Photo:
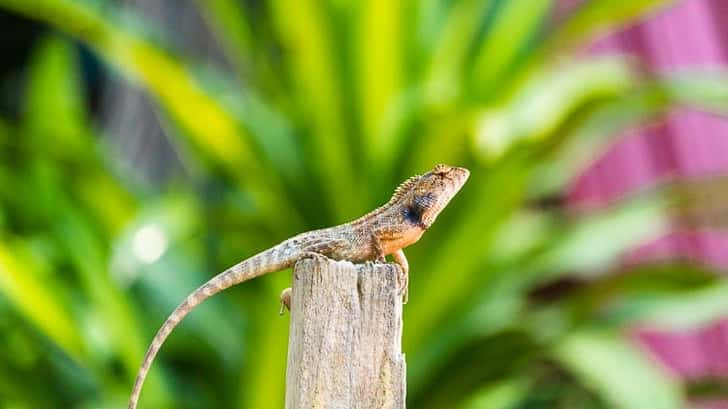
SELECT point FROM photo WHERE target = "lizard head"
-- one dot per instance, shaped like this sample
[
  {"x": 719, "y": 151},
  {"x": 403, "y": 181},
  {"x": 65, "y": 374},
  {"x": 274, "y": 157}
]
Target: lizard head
[{"x": 425, "y": 196}]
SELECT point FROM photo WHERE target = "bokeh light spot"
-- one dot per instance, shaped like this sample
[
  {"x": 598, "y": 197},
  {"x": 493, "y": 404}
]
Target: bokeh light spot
[{"x": 149, "y": 243}]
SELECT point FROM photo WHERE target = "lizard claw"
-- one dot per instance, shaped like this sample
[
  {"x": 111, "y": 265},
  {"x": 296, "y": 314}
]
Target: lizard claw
[
  {"x": 285, "y": 301},
  {"x": 313, "y": 255}
]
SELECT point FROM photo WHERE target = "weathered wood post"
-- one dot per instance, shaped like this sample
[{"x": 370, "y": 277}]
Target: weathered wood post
[{"x": 344, "y": 349}]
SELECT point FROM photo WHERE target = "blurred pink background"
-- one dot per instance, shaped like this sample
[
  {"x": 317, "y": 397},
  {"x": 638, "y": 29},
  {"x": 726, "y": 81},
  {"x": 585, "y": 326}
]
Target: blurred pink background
[{"x": 693, "y": 33}]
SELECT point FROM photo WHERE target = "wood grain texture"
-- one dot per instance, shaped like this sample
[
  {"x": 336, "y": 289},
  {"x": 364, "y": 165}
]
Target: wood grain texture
[{"x": 345, "y": 348}]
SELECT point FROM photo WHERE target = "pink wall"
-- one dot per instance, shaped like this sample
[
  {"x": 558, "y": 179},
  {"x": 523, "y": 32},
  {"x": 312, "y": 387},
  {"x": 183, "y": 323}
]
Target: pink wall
[{"x": 694, "y": 33}]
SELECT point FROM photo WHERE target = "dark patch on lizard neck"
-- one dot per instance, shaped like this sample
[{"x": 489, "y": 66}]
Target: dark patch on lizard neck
[
  {"x": 413, "y": 216},
  {"x": 413, "y": 212}
]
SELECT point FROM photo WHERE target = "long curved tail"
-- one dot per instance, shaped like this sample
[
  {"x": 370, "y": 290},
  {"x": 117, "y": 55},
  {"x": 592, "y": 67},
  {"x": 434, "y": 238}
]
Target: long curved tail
[{"x": 274, "y": 259}]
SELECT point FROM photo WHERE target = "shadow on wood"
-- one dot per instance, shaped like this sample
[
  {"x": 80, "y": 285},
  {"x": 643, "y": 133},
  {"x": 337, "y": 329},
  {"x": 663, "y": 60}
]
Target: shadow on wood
[{"x": 345, "y": 346}]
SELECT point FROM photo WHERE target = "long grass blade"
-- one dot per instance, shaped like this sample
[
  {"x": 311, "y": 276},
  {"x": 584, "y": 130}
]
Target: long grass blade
[
  {"x": 597, "y": 17},
  {"x": 380, "y": 71},
  {"x": 231, "y": 22},
  {"x": 517, "y": 24},
  {"x": 37, "y": 299},
  {"x": 453, "y": 50},
  {"x": 306, "y": 31}
]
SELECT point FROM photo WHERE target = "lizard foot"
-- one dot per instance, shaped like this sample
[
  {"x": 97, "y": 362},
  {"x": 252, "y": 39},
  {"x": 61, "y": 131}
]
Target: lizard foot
[
  {"x": 285, "y": 300},
  {"x": 403, "y": 284},
  {"x": 313, "y": 255}
]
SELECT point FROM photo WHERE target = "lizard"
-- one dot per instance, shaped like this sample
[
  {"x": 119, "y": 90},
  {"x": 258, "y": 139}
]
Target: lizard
[{"x": 397, "y": 224}]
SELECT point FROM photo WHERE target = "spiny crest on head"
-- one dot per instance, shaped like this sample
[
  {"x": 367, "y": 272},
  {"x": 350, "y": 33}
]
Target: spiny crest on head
[
  {"x": 400, "y": 191},
  {"x": 404, "y": 187}
]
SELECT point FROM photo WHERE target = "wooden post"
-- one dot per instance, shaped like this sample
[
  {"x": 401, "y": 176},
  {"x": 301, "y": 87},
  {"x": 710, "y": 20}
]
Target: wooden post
[{"x": 345, "y": 345}]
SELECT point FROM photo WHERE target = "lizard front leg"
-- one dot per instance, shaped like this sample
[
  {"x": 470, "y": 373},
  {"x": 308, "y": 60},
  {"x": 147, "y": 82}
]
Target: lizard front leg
[
  {"x": 378, "y": 248},
  {"x": 381, "y": 236},
  {"x": 403, "y": 279}
]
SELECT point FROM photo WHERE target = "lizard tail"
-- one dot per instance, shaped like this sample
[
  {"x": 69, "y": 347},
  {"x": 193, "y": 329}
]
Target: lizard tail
[{"x": 271, "y": 260}]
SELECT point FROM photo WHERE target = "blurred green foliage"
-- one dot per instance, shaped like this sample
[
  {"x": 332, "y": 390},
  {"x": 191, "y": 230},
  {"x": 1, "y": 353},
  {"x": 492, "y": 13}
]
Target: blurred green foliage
[{"x": 329, "y": 105}]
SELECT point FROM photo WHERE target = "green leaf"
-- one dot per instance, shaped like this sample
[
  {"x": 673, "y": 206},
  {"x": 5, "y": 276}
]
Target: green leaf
[
  {"x": 700, "y": 89},
  {"x": 589, "y": 245},
  {"x": 451, "y": 53},
  {"x": 612, "y": 367},
  {"x": 105, "y": 199},
  {"x": 428, "y": 20},
  {"x": 381, "y": 71},
  {"x": 682, "y": 309},
  {"x": 516, "y": 24},
  {"x": 547, "y": 100},
  {"x": 36, "y": 297},
  {"x": 499, "y": 395},
  {"x": 313, "y": 66},
  {"x": 669, "y": 295},
  {"x": 230, "y": 21},
  {"x": 597, "y": 17},
  {"x": 54, "y": 105},
  {"x": 274, "y": 133}
]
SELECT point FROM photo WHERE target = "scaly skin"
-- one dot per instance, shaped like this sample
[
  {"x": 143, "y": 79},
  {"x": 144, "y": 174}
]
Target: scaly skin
[{"x": 399, "y": 223}]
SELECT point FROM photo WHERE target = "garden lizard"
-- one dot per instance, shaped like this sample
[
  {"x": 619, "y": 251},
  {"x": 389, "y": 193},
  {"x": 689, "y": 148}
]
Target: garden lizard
[{"x": 400, "y": 222}]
